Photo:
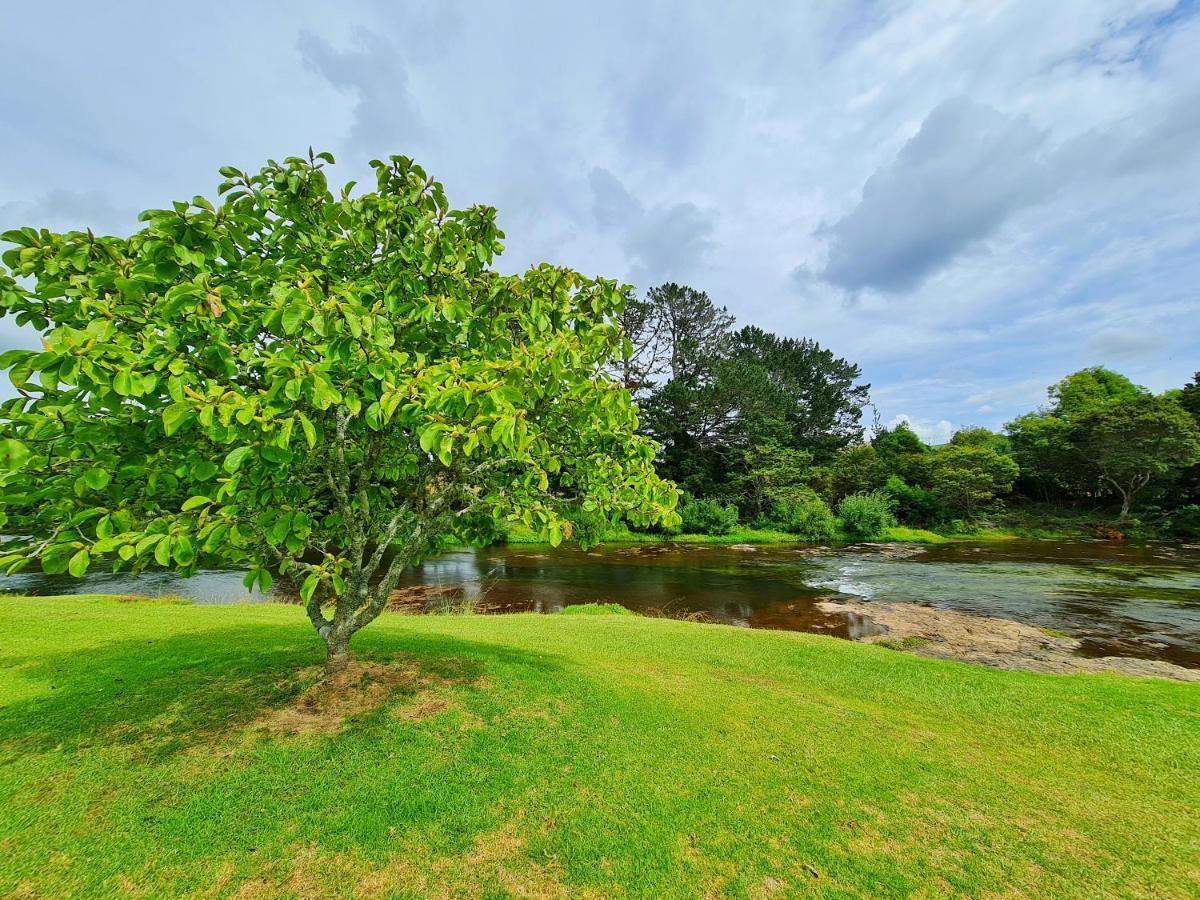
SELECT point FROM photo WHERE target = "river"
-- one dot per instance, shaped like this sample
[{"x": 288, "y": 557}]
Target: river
[{"x": 1117, "y": 599}]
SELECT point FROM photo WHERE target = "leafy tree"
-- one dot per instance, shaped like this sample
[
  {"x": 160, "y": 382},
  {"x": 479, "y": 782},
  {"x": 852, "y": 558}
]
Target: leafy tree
[
  {"x": 1087, "y": 390},
  {"x": 1130, "y": 442},
  {"x": 902, "y": 453},
  {"x": 327, "y": 386},
  {"x": 707, "y": 516},
  {"x": 800, "y": 384},
  {"x": 913, "y": 504},
  {"x": 857, "y": 470},
  {"x": 695, "y": 329},
  {"x": 774, "y": 475},
  {"x": 977, "y": 436},
  {"x": 1049, "y": 466},
  {"x": 645, "y": 351},
  {"x": 1189, "y": 397},
  {"x": 966, "y": 477}
]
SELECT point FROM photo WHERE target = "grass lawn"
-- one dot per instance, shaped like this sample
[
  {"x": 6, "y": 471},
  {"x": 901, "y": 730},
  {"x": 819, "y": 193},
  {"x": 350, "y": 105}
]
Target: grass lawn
[{"x": 145, "y": 749}]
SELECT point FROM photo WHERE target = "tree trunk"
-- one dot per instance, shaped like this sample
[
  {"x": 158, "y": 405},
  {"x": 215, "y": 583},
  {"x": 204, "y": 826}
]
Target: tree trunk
[
  {"x": 337, "y": 651},
  {"x": 1126, "y": 498}
]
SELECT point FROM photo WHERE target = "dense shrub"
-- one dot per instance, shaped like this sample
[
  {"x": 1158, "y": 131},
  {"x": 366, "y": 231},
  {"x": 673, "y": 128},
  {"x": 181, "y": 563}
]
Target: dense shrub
[
  {"x": 1185, "y": 522},
  {"x": 912, "y": 504},
  {"x": 810, "y": 519},
  {"x": 707, "y": 517},
  {"x": 866, "y": 515}
]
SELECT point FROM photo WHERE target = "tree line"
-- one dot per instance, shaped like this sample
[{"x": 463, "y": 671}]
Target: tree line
[{"x": 768, "y": 431}]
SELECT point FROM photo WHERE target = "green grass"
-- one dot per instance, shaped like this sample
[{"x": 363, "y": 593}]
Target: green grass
[
  {"x": 904, "y": 534},
  {"x": 596, "y": 609},
  {"x": 588, "y": 754}
]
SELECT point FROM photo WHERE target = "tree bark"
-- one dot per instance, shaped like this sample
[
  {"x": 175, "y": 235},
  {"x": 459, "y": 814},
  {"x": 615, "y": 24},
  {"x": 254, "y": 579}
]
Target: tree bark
[{"x": 337, "y": 651}]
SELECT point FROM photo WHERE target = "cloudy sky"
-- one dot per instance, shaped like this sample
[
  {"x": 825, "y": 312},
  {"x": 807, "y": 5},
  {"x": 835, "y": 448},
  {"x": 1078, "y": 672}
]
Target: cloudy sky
[{"x": 970, "y": 199}]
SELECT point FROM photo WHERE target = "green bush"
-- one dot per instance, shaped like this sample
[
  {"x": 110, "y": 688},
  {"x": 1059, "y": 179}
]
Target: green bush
[
  {"x": 707, "y": 517},
  {"x": 1185, "y": 522},
  {"x": 810, "y": 519},
  {"x": 913, "y": 505},
  {"x": 866, "y": 515}
]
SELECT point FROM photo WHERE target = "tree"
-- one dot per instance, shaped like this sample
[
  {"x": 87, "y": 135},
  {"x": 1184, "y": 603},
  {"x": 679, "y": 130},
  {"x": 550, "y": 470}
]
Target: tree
[
  {"x": 1129, "y": 442},
  {"x": 695, "y": 329},
  {"x": 977, "y": 436},
  {"x": 1087, "y": 390},
  {"x": 774, "y": 475},
  {"x": 966, "y": 476},
  {"x": 690, "y": 414},
  {"x": 325, "y": 386},
  {"x": 1189, "y": 397},
  {"x": 803, "y": 386},
  {"x": 902, "y": 453},
  {"x": 645, "y": 351},
  {"x": 857, "y": 470}
]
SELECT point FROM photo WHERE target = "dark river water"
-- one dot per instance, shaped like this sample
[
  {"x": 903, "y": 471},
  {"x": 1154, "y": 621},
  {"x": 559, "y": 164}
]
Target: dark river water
[{"x": 1122, "y": 600}]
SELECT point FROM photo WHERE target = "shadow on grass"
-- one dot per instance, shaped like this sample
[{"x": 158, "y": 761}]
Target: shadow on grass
[{"x": 173, "y": 693}]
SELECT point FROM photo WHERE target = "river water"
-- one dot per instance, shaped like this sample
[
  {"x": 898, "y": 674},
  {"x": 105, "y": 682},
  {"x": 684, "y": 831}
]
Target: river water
[{"x": 1118, "y": 599}]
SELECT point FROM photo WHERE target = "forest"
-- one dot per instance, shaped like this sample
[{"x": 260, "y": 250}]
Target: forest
[{"x": 769, "y": 432}]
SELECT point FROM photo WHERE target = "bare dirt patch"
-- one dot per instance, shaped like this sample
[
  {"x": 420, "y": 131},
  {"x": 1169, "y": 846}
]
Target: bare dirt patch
[
  {"x": 324, "y": 707},
  {"x": 1000, "y": 643}
]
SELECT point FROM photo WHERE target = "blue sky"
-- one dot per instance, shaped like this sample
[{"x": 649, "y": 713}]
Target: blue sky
[{"x": 969, "y": 199}]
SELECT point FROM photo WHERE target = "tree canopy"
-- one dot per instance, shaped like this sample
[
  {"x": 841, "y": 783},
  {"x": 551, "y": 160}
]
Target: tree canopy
[{"x": 322, "y": 385}]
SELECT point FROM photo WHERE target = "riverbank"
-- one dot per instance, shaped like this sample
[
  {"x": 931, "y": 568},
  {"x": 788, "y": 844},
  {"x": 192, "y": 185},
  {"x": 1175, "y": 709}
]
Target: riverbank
[
  {"x": 1008, "y": 526},
  {"x": 170, "y": 748},
  {"x": 991, "y": 641}
]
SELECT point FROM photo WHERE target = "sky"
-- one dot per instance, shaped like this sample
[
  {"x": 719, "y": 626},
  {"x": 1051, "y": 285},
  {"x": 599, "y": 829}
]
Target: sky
[{"x": 968, "y": 199}]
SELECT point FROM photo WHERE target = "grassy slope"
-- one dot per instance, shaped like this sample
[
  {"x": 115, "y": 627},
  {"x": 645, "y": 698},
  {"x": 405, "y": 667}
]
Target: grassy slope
[{"x": 615, "y": 754}]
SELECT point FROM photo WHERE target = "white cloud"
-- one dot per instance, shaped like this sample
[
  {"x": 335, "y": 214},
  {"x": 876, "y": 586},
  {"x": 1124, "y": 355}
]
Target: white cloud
[
  {"x": 976, "y": 198},
  {"x": 930, "y": 432}
]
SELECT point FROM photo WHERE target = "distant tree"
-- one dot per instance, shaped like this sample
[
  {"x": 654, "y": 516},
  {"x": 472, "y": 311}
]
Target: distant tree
[
  {"x": 326, "y": 386},
  {"x": 966, "y": 477},
  {"x": 774, "y": 475},
  {"x": 1042, "y": 448},
  {"x": 856, "y": 470},
  {"x": 695, "y": 329},
  {"x": 813, "y": 393},
  {"x": 690, "y": 413},
  {"x": 976, "y": 436},
  {"x": 1129, "y": 442},
  {"x": 1087, "y": 390},
  {"x": 1042, "y": 443},
  {"x": 644, "y": 353},
  {"x": 902, "y": 453},
  {"x": 1189, "y": 397}
]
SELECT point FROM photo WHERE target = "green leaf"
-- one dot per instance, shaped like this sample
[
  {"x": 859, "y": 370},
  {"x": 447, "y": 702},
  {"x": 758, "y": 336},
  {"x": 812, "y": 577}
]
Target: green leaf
[
  {"x": 293, "y": 317},
  {"x": 310, "y": 431},
  {"x": 13, "y": 454},
  {"x": 183, "y": 551},
  {"x": 162, "y": 551},
  {"x": 280, "y": 528},
  {"x": 174, "y": 416},
  {"x": 79, "y": 563},
  {"x": 234, "y": 459},
  {"x": 97, "y": 479},
  {"x": 193, "y": 502},
  {"x": 309, "y": 587},
  {"x": 203, "y": 469}
]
